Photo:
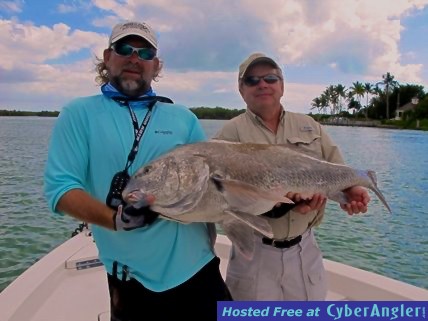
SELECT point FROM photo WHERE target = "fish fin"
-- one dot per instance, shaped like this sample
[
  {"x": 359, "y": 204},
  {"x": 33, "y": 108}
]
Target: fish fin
[
  {"x": 258, "y": 223},
  {"x": 376, "y": 190},
  {"x": 341, "y": 198},
  {"x": 248, "y": 198},
  {"x": 241, "y": 235}
]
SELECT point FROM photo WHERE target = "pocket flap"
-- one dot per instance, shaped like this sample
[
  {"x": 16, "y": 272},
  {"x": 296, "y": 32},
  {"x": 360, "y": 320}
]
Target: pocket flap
[{"x": 303, "y": 140}]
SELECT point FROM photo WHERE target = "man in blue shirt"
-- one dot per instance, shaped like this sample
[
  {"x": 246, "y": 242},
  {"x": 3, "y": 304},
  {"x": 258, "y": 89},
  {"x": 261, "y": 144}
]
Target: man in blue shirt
[{"x": 152, "y": 264}]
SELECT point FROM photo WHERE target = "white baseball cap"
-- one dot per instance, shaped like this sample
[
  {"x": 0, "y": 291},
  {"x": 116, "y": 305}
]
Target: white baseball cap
[
  {"x": 133, "y": 28},
  {"x": 256, "y": 58}
]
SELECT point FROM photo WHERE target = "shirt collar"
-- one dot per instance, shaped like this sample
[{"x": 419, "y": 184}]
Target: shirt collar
[{"x": 259, "y": 119}]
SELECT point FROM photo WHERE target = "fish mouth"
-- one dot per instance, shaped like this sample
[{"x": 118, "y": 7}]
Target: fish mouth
[{"x": 134, "y": 196}]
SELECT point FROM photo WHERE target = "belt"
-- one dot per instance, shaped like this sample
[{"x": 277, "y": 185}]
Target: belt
[{"x": 282, "y": 244}]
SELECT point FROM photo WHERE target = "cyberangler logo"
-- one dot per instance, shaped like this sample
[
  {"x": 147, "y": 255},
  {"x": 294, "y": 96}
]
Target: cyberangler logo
[{"x": 383, "y": 311}]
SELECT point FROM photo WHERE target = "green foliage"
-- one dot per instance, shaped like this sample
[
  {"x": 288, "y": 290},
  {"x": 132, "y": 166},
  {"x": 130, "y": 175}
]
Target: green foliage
[
  {"x": 200, "y": 112},
  {"x": 421, "y": 110},
  {"x": 43, "y": 113},
  {"x": 387, "y": 90},
  {"x": 216, "y": 113},
  {"x": 398, "y": 97},
  {"x": 413, "y": 124},
  {"x": 423, "y": 124}
]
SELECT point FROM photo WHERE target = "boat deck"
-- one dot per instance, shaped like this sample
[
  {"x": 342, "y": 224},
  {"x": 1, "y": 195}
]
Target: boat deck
[{"x": 64, "y": 287}]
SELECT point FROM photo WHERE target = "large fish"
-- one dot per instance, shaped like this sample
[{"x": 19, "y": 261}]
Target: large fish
[{"x": 233, "y": 183}]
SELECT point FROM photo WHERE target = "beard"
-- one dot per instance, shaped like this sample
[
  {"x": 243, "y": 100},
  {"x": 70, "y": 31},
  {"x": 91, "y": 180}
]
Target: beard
[{"x": 130, "y": 87}]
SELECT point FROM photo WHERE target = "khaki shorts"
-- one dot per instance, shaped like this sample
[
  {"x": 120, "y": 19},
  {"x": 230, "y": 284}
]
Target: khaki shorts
[{"x": 295, "y": 273}]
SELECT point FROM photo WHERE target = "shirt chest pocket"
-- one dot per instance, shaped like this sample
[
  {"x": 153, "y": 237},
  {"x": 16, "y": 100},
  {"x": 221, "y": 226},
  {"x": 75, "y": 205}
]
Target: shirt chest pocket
[{"x": 309, "y": 144}]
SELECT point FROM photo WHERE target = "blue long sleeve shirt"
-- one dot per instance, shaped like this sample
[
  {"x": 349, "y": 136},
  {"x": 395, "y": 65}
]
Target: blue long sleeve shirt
[{"x": 90, "y": 142}]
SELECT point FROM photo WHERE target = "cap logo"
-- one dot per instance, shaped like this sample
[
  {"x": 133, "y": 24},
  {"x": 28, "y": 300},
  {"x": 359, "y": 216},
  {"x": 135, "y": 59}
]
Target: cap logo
[{"x": 135, "y": 25}]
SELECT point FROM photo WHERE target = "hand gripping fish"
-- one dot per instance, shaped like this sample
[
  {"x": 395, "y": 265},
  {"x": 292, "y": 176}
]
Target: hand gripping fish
[{"x": 232, "y": 184}]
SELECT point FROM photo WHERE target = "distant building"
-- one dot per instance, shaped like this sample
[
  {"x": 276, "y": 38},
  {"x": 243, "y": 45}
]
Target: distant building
[{"x": 399, "y": 112}]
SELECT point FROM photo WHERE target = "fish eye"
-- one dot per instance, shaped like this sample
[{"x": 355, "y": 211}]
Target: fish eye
[{"x": 143, "y": 171}]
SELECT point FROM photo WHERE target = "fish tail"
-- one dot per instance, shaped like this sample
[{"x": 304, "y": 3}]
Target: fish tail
[{"x": 372, "y": 175}]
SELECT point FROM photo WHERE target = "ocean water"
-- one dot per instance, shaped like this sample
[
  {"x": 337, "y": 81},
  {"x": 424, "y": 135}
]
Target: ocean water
[{"x": 393, "y": 245}]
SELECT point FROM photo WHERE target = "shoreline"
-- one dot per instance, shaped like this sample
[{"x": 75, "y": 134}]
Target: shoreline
[
  {"x": 335, "y": 122},
  {"x": 366, "y": 123},
  {"x": 373, "y": 124}
]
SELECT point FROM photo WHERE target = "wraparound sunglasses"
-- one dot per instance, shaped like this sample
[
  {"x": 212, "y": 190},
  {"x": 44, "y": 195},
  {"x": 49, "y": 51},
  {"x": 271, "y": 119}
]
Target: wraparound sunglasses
[{"x": 125, "y": 50}]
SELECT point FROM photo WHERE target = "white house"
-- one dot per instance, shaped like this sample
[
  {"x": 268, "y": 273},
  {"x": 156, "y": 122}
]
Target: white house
[{"x": 399, "y": 112}]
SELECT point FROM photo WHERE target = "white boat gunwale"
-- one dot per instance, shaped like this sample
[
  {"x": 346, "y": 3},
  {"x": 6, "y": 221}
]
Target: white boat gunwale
[{"x": 69, "y": 283}]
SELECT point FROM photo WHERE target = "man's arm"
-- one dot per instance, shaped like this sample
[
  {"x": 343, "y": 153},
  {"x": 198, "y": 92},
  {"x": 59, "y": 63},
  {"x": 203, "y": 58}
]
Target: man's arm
[{"x": 80, "y": 205}]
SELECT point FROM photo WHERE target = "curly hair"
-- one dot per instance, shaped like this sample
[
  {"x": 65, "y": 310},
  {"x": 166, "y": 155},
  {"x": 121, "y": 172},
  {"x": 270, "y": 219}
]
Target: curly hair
[{"x": 103, "y": 76}]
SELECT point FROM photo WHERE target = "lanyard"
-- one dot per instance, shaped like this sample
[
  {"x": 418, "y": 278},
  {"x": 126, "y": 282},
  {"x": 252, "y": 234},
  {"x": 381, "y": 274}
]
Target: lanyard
[{"x": 139, "y": 131}]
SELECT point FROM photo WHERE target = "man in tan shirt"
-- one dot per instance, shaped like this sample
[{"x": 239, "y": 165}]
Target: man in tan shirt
[{"x": 289, "y": 266}]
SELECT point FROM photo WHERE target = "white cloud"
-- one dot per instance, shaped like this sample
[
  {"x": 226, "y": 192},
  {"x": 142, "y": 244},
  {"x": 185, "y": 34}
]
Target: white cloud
[
  {"x": 124, "y": 10},
  {"x": 51, "y": 87},
  {"x": 12, "y": 6},
  {"x": 38, "y": 44},
  {"x": 298, "y": 97},
  {"x": 74, "y": 6},
  {"x": 363, "y": 33},
  {"x": 203, "y": 43},
  {"x": 358, "y": 37},
  {"x": 26, "y": 74},
  {"x": 214, "y": 86}
]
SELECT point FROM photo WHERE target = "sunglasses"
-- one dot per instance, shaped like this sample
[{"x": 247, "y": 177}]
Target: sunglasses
[
  {"x": 125, "y": 50},
  {"x": 251, "y": 81}
]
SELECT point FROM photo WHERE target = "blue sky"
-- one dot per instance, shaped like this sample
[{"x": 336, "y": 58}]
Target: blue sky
[{"x": 47, "y": 48}]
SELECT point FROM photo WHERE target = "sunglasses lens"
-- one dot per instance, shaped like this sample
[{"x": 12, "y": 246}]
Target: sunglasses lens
[
  {"x": 271, "y": 79},
  {"x": 127, "y": 50},
  {"x": 123, "y": 49},
  {"x": 146, "y": 53},
  {"x": 251, "y": 80}
]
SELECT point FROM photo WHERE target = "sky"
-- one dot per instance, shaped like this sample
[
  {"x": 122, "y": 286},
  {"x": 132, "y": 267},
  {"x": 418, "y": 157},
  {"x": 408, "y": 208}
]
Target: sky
[{"x": 48, "y": 48}]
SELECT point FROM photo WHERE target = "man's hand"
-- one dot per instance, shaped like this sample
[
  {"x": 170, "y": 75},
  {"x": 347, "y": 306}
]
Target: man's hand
[
  {"x": 316, "y": 203},
  {"x": 358, "y": 199},
  {"x": 129, "y": 217}
]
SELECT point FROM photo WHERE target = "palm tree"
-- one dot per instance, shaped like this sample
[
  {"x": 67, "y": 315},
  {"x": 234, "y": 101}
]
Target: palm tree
[
  {"x": 330, "y": 98},
  {"x": 316, "y": 103},
  {"x": 324, "y": 103},
  {"x": 368, "y": 89},
  {"x": 340, "y": 92},
  {"x": 389, "y": 83},
  {"x": 357, "y": 89},
  {"x": 353, "y": 104}
]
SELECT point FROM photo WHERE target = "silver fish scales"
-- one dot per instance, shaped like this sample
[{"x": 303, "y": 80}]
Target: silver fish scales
[{"x": 232, "y": 184}]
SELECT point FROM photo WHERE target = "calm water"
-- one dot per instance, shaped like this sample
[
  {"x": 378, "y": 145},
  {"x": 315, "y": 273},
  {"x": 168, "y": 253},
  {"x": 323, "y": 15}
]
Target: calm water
[{"x": 393, "y": 245}]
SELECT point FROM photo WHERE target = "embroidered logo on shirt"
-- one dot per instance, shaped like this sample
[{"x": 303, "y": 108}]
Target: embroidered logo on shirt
[
  {"x": 306, "y": 129},
  {"x": 163, "y": 132}
]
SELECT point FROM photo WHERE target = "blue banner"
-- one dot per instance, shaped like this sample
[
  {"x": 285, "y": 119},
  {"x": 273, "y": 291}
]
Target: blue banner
[{"x": 321, "y": 310}]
